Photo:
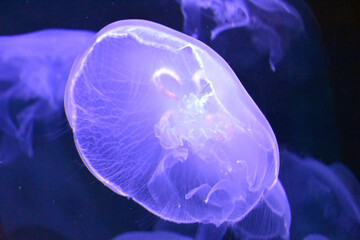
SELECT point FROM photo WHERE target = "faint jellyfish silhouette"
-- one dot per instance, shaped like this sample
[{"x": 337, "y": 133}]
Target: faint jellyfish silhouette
[
  {"x": 331, "y": 192},
  {"x": 154, "y": 119},
  {"x": 271, "y": 23},
  {"x": 34, "y": 68},
  {"x": 156, "y": 235},
  {"x": 249, "y": 34}
]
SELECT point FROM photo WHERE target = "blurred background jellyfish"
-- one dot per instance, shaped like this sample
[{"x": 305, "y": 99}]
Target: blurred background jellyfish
[
  {"x": 152, "y": 115},
  {"x": 33, "y": 72},
  {"x": 258, "y": 37},
  {"x": 271, "y": 23},
  {"x": 274, "y": 47},
  {"x": 315, "y": 237}
]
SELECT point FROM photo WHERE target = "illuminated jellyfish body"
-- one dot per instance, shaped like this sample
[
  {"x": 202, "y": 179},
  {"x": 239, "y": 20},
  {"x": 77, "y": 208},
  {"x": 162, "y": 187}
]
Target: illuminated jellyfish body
[
  {"x": 270, "y": 24},
  {"x": 270, "y": 219},
  {"x": 34, "y": 68},
  {"x": 315, "y": 237},
  {"x": 161, "y": 118}
]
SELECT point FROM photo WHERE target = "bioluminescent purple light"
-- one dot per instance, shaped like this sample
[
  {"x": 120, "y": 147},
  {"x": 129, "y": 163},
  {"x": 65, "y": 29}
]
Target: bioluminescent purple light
[
  {"x": 34, "y": 68},
  {"x": 271, "y": 23},
  {"x": 161, "y": 118}
]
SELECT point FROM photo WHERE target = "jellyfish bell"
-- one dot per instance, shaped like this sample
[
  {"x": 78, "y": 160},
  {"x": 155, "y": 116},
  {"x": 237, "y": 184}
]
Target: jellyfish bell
[
  {"x": 161, "y": 118},
  {"x": 270, "y": 219},
  {"x": 275, "y": 47}
]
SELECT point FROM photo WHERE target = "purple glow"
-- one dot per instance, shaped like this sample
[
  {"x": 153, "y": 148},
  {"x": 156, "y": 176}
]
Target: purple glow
[
  {"x": 153, "y": 116},
  {"x": 34, "y": 68},
  {"x": 159, "y": 235},
  {"x": 328, "y": 195},
  {"x": 272, "y": 23},
  {"x": 271, "y": 219}
]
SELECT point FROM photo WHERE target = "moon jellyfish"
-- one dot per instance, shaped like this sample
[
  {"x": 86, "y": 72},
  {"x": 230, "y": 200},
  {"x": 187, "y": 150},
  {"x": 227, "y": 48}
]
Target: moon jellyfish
[
  {"x": 161, "y": 118},
  {"x": 157, "y": 235},
  {"x": 328, "y": 202},
  {"x": 271, "y": 23},
  {"x": 270, "y": 219},
  {"x": 34, "y": 68}
]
